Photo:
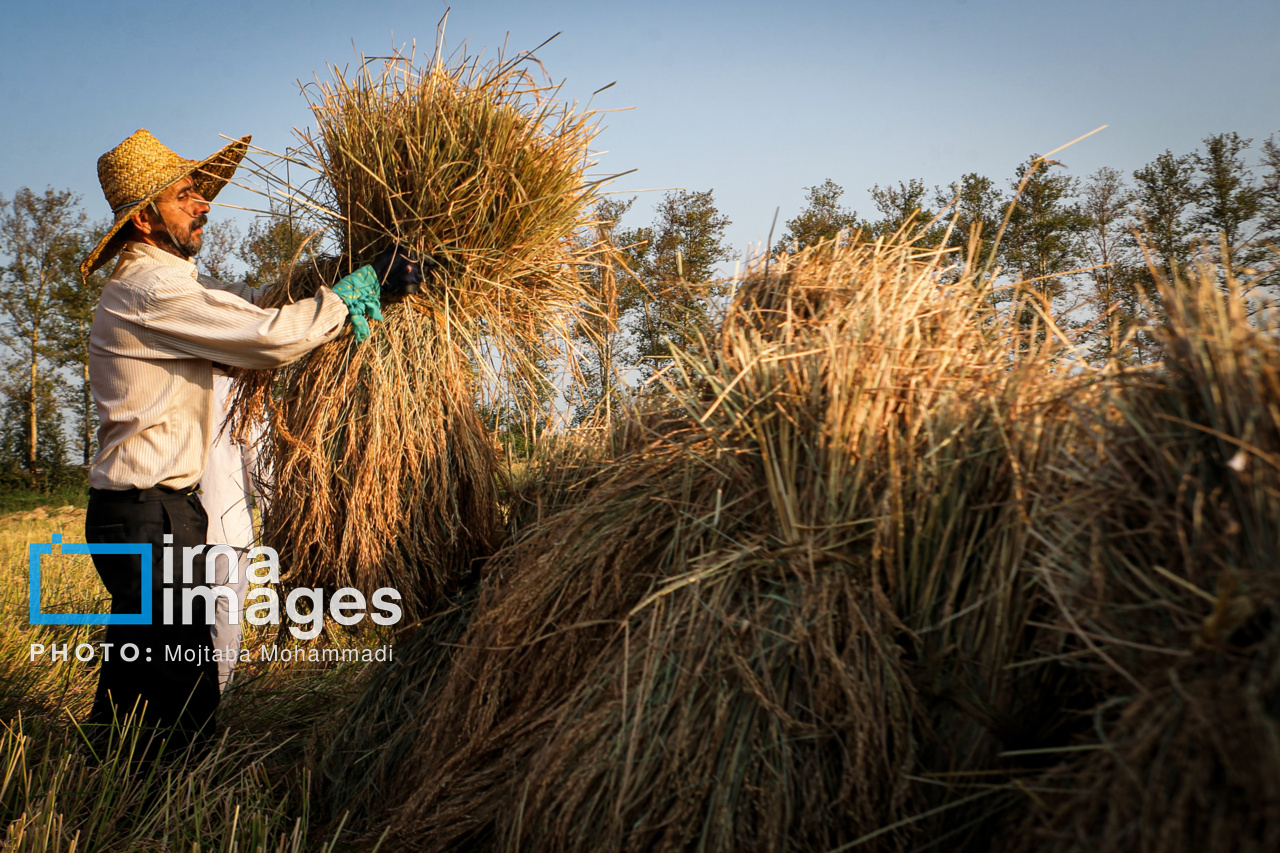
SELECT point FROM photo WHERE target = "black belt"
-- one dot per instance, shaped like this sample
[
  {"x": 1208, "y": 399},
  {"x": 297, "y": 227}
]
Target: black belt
[{"x": 155, "y": 493}]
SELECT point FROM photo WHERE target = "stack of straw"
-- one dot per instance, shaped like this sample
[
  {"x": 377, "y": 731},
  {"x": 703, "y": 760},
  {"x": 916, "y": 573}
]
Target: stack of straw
[
  {"x": 1164, "y": 575},
  {"x": 360, "y": 753},
  {"x": 894, "y": 571},
  {"x": 384, "y": 474},
  {"x": 357, "y": 757},
  {"x": 786, "y": 598}
]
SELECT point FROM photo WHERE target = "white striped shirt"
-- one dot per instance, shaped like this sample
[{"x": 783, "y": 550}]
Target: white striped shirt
[{"x": 158, "y": 330}]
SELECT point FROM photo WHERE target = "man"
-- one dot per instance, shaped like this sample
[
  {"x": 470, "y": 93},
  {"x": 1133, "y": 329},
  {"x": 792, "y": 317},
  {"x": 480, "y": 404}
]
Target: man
[{"x": 158, "y": 330}]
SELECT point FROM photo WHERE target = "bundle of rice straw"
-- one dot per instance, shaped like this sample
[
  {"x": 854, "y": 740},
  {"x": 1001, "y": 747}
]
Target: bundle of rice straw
[
  {"x": 358, "y": 752},
  {"x": 383, "y": 470},
  {"x": 713, "y": 641},
  {"x": 1165, "y": 575}
]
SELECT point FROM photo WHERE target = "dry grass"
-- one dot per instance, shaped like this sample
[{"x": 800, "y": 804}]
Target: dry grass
[
  {"x": 1164, "y": 575},
  {"x": 356, "y": 755},
  {"x": 246, "y": 795},
  {"x": 384, "y": 474},
  {"x": 885, "y": 573},
  {"x": 780, "y": 601}
]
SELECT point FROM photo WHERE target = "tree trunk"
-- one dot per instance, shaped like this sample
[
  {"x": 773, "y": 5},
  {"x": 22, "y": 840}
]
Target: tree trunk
[
  {"x": 31, "y": 447},
  {"x": 87, "y": 401}
]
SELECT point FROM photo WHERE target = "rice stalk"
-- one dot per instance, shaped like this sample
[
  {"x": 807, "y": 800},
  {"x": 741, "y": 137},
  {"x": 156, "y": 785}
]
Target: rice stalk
[
  {"x": 358, "y": 753},
  {"x": 1164, "y": 577},
  {"x": 384, "y": 474},
  {"x": 719, "y": 641},
  {"x": 56, "y": 796}
]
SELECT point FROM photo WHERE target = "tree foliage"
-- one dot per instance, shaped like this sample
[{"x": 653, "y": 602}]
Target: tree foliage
[
  {"x": 75, "y": 302},
  {"x": 1044, "y": 238},
  {"x": 18, "y": 468},
  {"x": 222, "y": 242},
  {"x": 657, "y": 286},
  {"x": 823, "y": 218},
  {"x": 1228, "y": 201},
  {"x": 977, "y": 207},
  {"x": 1114, "y": 264},
  {"x": 1164, "y": 193},
  {"x": 40, "y": 235},
  {"x": 900, "y": 205},
  {"x": 672, "y": 299},
  {"x": 599, "y": 340},
  {"x": 1045, "y": 235},
  {"x": 273, "y": 244},
  {"x": 1269, "y": 191}
]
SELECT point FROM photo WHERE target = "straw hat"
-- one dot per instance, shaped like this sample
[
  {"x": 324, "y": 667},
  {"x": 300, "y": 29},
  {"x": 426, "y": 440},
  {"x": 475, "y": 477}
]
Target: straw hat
[{"x": 141, "y": 168}]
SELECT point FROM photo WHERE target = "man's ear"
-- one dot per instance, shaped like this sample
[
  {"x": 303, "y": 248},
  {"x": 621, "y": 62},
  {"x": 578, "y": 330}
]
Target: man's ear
[{"x": 142, "y": 221}]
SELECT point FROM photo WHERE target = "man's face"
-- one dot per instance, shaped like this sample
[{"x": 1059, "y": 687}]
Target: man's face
[{"x": 183, "y": 214}]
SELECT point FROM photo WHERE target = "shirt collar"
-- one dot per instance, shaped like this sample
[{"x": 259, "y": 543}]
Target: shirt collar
[{"x": 146, "y": 253}]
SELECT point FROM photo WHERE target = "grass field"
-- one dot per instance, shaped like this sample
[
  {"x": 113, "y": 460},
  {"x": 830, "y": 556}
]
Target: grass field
[{"x": 249, "y": 794}]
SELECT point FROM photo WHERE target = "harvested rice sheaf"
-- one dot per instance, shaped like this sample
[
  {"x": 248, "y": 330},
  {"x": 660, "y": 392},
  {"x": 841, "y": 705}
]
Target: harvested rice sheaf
[
  {"x": 793, "y": 590},
  {"x": 1165, "y": 576},
  {"x": 384, "y": 474},
  {"x": 361, "y": 746}
]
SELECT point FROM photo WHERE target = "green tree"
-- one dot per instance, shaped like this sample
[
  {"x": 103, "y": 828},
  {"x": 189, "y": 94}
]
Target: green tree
[
  {"x": 1164, "y": 193},
  {"x": 1044, "y": 239},
  {"x": 40, "y": 235},
  {"x": 1269, "y": 212},
  {"x": 17, "y": 466},
  {"x": 221, "y": 243},
  {"x": 977, "y": 207},
  {"x": 1045, "y": 235},
  {"x": 823, "y": 218},
  {"x": 75, "y": 301},
  {"x": 1227, "y": 201},
  {"x": 273, "y": 245},
  {"x": 1115, "y": 266},
  {"x": 598, "y": 338},
  {"x": 900, "y": 205},
  {"x": 1269, "y": 192},
  {"x": 673, "y": 300}
]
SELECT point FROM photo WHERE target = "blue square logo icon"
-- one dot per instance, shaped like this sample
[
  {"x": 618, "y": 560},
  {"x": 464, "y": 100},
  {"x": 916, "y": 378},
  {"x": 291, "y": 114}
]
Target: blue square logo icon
[{"x": 37, "y": 549}]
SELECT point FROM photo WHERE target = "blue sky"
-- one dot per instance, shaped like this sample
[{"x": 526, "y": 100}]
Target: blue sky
[{"x": 756, "y": 100}]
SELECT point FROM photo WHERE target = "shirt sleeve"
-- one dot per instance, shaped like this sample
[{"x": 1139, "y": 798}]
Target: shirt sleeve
[
  {"x": 244, "y": 290},
  {"x": 184, "y": 315}
]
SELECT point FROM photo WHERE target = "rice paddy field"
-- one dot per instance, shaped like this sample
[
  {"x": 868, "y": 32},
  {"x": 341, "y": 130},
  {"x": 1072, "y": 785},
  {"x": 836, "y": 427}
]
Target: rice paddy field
[
  {"x": 881, "y": 574},
  {"x": 887, "y": 566},
  {"x": 246, "y": 795}
]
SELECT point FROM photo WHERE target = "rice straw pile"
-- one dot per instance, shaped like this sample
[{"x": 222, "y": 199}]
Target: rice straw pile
[
  {"x": 384, "y": 474},
  {"x": 358, "y": 752},
  {"x": 889, "y": 571},
  {"x": 781, "y": 617},
  {"x": 1165, "y": 576}
]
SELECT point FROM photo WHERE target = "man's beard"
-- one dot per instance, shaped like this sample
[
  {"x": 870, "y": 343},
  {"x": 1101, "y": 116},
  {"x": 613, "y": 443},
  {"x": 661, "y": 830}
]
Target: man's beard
[{"x": 185, "y": 246}]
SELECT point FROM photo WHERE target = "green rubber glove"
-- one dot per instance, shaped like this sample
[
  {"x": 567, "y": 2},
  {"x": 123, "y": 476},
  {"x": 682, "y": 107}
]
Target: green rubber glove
[{"x": 363, "y": 294}]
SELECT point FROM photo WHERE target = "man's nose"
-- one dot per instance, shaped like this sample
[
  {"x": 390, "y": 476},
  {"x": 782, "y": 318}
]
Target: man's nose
[{"x": 202, "y": 206}]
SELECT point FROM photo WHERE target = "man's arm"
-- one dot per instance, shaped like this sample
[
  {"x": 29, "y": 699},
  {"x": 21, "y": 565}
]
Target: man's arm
[
  {"x": 184, "y": 316},
  {"x": 245, "y": 291}
]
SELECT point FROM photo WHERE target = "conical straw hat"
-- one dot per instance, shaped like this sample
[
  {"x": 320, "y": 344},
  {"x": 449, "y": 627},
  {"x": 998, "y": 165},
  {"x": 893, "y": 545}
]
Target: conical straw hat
[{"x": 141, "y": 168}]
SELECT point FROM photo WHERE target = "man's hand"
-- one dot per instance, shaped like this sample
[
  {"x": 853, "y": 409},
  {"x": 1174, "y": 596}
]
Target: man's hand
[
  {"x": 361, "y": 292},
  {"x": 398, "y": 274}
]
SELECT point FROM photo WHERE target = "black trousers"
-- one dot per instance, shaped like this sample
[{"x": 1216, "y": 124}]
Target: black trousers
[{"x": 173, "y": 682}]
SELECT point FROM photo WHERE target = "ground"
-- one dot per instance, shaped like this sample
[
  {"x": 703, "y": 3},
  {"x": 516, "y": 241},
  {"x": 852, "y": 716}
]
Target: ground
[{"x": 250, "y": 793}]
